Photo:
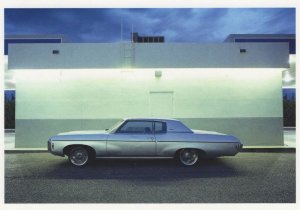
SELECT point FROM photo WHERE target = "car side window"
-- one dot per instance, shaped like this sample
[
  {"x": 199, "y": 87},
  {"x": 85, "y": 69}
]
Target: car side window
[
  {"x": 136, "y": 127},
  {"x": 160, "y": 127}
]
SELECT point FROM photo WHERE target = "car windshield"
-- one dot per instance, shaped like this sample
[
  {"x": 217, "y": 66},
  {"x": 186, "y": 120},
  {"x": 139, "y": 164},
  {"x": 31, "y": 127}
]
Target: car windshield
[{"x": 115, "y": 126}]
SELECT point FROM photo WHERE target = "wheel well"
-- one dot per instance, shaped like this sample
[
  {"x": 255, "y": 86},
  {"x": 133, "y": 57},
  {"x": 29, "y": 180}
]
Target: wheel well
[
  {"x": 201, "y": 152},
  {"x": 68, "y": 148}
]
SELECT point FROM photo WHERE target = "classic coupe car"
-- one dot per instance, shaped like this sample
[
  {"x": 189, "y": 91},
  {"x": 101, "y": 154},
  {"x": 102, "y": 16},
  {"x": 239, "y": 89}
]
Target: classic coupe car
[{"x": 144, "y": 138}]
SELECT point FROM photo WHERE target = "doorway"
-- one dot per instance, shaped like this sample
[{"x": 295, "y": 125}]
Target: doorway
[{"x": 161, "y": 104}]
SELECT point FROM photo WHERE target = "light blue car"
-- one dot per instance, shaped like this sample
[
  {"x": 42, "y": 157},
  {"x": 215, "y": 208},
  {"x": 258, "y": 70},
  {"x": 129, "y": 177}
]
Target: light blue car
[{"x": 144, "y": 138}]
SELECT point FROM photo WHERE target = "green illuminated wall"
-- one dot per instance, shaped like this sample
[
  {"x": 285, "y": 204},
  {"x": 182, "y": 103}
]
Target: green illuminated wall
[{"x": 243, "y": 102}]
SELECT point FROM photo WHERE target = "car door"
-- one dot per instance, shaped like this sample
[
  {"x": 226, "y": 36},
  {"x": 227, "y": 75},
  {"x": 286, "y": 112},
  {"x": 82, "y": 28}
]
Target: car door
[{"x": 134, "y": 138}]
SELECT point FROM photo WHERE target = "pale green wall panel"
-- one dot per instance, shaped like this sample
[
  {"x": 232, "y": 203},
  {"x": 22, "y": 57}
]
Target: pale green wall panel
[
  {"x": 35, "y": 133},
  {"x": 251, "y": 131}
]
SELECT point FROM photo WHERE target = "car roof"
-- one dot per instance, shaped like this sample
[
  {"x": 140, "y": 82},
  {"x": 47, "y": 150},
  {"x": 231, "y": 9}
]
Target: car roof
[
  {"x": 150, "y": 118},
  {"x": 173, "y": 124}
]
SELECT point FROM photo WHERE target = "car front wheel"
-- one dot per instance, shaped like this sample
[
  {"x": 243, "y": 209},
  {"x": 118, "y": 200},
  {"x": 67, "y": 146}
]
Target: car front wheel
[
  {"x": 79, "y": 156},
  {"x": 188, "y": 157}
]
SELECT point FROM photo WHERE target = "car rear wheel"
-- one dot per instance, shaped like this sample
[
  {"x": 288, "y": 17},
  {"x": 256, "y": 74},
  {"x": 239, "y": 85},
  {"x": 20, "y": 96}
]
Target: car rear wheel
[
  {"x": 188, "y": 157},
  {"x": 79, "y": 156}
]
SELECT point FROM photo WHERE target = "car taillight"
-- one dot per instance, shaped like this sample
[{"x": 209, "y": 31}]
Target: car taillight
[{"x": 239, "y": 146}]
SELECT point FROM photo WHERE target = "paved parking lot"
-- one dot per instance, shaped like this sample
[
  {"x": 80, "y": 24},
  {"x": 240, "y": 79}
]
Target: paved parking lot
[{"x": 247, "y": 177}]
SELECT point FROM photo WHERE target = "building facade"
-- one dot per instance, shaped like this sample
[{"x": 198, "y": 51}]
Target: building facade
[
  {"x": 289, "y": 74},
  {"x": 235, "y": 88}
]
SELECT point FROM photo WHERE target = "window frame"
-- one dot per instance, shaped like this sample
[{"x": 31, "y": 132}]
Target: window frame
[
  {"x": 164, "y": 127},
  {"x": 127, "y": 121},
  {"x": 164, "y": 124}
]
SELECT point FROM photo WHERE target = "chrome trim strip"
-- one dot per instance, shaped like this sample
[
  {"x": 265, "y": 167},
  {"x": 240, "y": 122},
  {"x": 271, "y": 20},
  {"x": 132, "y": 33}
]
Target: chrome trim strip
[
  {"x": 83, "y": 140},
  {"x": 199, "y": 142},
  {"x": 146, "y": 141},
  {"x": 137, "y": 157}
]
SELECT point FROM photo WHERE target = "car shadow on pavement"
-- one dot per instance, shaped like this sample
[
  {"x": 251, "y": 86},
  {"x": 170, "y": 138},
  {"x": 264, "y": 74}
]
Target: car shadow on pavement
[{"x": 141, "y": 169}]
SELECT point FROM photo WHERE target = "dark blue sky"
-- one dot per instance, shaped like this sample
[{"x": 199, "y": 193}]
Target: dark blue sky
[
  {"x": 10, "y": 94},
  {"x": 289, "y": 93},
  {"x": 177, "y": 25}
]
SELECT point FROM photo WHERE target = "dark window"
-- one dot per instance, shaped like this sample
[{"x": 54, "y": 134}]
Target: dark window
[
  {"x": 55, "y": 52},
  {"x": 160, "y": 127},
  {"x": 136, "y": 127},
  {"x": 243, "y": 50}
]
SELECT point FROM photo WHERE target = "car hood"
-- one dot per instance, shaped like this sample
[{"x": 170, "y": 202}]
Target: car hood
[
  {"x": 83, "y": 132},
  {"x": 207, "y": 132}
]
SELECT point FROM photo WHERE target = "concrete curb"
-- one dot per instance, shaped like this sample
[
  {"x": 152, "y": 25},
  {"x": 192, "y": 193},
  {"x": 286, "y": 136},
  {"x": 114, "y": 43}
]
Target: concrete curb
[
  {"x": 276, "y": 149},
  {"x": 247, "y": 149},
  {"x": 14, "y": 151}
]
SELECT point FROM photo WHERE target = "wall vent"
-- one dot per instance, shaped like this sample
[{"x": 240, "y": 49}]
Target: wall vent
[
  {"x": 243, "y": 50},
  {"x": 55, "y": 52}
]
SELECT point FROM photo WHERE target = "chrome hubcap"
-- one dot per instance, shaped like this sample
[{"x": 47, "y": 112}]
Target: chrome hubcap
[
  {"x": 188, "y": 156},
  {"x": 79, "y": 156}
]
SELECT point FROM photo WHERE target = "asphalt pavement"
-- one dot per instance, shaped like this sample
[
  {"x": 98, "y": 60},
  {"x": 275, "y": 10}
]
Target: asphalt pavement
[{"x": 245, "y": 178}]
